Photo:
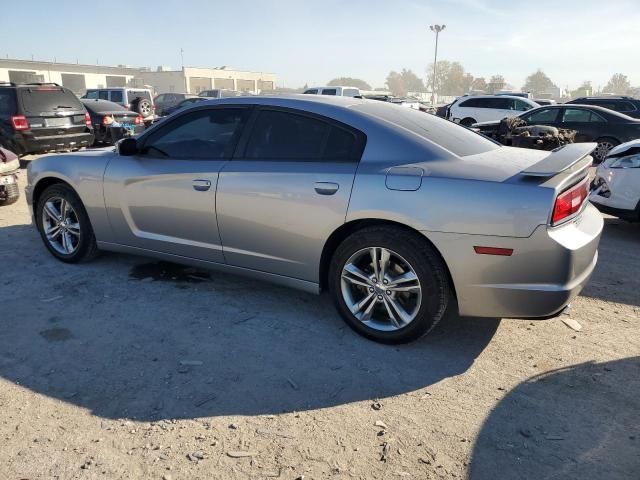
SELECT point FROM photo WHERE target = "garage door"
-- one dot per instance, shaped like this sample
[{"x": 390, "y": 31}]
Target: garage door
[
  {"x": 198, "y": 84},
  {"x": 245, "y": 85},
  {"x": 224, "y": 83}
]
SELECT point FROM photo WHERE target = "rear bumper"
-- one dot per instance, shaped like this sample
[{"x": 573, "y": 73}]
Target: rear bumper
[
  {"x": 35, "y": 144},
  {"x": 544, "y": 273}
]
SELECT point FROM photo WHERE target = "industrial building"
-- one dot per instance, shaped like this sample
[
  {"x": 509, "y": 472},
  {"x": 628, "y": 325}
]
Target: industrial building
[{"x": 78, "y": 78}]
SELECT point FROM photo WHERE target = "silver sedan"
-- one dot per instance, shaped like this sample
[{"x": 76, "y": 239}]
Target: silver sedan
[{"x": 395, "y": 212}]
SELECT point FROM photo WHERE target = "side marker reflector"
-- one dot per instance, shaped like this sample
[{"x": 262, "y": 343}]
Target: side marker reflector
[{"x": 505, "y": 252}]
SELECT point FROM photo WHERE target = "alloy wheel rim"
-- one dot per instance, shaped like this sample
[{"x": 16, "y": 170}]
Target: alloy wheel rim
[
  {"x": 602, "y": 149},
  {"x": 61, "y": 225},
  {"x": 381, "y": 289}
]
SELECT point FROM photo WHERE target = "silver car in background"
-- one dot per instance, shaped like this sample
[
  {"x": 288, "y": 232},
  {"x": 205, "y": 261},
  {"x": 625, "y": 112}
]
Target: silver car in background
[{"x": 394, "y": 212}]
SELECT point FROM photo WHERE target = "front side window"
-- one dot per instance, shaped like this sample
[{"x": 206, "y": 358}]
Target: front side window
[
  {"x": 542, "y": 116},
  {"x": 329, "y": 91},
  {"x": 350, "y": 92},
  {"x": 278, "y": 135},
  {"x": 202, "y": 135},
  {"x": 522, "y": 106},
  {"x": 312, "y": 91},
  {"x": 92, "y": 95}
]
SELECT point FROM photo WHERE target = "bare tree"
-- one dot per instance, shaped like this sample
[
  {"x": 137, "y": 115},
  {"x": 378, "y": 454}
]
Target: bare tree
[
  {"x": 618, "y": 84},
  {"x": 350, "y": 82}
]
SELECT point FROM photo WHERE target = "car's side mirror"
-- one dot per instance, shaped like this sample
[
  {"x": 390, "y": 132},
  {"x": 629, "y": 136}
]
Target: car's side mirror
[{"x": 128, "y": 147}]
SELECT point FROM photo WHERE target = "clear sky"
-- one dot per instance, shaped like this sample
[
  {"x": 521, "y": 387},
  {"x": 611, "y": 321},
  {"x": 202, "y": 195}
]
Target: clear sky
[{"x": 313, "y": 42}]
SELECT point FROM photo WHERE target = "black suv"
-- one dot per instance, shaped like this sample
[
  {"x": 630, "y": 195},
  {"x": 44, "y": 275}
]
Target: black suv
[
  {"x": 42, "y": 117},
  {"x": 628, "y": 105}
]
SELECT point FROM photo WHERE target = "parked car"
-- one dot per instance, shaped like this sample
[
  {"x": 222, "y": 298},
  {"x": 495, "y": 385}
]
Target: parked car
[
  {"x": 9, "y": 167},
  {"x": 442, "y": 111},
  {"x": 166, "y": 101},
  {"x": 139, "y": 100},
  {"x": 472, "y": 109},
  {"x": 42, "y": 117},
  {"x": 392, "y": 211},
  {"x": 105, "y": 115},
  {"x": 628, "y": 105},
  {"x": 184, "y": 104},
  {"x": 334, "y": 91},
  {"x": 616, "y": 187},
  {"x": 219, "y": 93},
  {"x": 593, "y": 124},
  {"x": 544, "y": 101}
]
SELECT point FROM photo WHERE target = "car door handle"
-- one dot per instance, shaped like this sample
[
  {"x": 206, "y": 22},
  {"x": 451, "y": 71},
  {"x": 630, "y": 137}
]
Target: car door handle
[
  {"x": 201, "y": 185},
  {"x": 326, "y": 188}
]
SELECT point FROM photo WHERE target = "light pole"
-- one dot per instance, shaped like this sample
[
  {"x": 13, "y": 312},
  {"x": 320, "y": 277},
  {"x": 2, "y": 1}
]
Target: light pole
[{"x": 437, "y": 29}]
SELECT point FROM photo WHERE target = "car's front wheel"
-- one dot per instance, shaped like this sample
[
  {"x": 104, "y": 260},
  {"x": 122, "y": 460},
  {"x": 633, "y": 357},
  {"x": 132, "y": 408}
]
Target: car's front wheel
[
  {"x": 64, "y": 225},
  {"x": 389, "y": 284}
]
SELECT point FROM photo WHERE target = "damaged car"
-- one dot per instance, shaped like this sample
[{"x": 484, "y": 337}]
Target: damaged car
[
  {"x": 616, "y": 187},
  {"x": 591, "y": 124}
]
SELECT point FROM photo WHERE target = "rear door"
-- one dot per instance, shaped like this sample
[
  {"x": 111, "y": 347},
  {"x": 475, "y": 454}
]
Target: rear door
[
  {"x": 589, "y": 125},
  {"x": 286, "y": 191},
  {"x": 163, "y": 199},
  {"x": 51, "y": 110}
]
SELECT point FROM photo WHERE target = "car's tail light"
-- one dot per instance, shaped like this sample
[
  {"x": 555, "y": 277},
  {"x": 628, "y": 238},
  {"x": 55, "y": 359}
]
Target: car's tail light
[
  {"x": 570, "y": 201},
  {"x": 87, "y": 119},
  {"x": 19, "y": 123},
  {"x": 139, "y": 120}
]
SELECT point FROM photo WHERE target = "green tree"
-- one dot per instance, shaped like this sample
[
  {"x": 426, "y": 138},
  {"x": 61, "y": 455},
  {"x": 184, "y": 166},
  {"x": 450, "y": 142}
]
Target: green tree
[
  {"x": 496, "y": 83},
  {"x": 479, "y": 84},
  {"x": 406, "y": 81},
  {"x": 350, "y": 82},
  {"x": 538, "y": 83},
  {"x": 618, "y": 84}
]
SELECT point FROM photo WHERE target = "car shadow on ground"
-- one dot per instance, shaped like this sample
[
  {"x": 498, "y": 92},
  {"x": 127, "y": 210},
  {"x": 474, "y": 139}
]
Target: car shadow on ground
[
  {"x": 579, "y": 422},
  {"x": 128, "y": 338},
  {"x": 619, "y": 254}
]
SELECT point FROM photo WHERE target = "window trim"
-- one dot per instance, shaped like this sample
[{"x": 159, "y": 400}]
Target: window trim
[
  {"x": 143, "y": 139},
  {"x": 241, "y": 147}
]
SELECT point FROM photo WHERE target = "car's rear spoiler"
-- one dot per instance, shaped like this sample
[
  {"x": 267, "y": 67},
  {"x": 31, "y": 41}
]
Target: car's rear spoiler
[{"x": 560, "y": 159}]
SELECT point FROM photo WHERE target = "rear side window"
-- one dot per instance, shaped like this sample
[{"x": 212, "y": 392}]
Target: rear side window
[
  {"x": 474, "y": 103},
  {"x": 202, "y": 135},
  {"x": 617, "y": 106},
  {"x": 278, "y": 135},
  {"x": 40, "y": 100},
  {"x": 580, "y": 115},
  {"x": 7, "y": 102},
  {"x": 116, "y": 96},
  {"x": 329, "y": 91},
  {"x": 458, "y": 140},
  {"x": 103, "y": 94},
  {"x": 313, "y": 91}
]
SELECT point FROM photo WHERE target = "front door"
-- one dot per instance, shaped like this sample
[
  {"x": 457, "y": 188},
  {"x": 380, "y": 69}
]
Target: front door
[
  {"x": 287, "y": 191},
  {"x": 163, "y": 199}
]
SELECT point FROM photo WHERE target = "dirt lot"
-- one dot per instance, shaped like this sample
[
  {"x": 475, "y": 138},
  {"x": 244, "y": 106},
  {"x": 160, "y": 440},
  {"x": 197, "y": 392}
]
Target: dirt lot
[{"x": 126, "y": 369}]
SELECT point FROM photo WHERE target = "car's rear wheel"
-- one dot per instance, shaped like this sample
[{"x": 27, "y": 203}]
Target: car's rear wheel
[
  {"x": 388, "y": 284},
  {"x": 64, "y": 225},
  {"x": 467, "y": 122},
  {"x": 602, "y": 149}
]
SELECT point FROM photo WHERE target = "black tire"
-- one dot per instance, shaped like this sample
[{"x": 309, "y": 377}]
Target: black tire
[
  {"x": 599, "y": 154},
  {"x": 86, "y": 248},
  {"x": 467, "y": 122},
  {"x": 420, "y": 255}
]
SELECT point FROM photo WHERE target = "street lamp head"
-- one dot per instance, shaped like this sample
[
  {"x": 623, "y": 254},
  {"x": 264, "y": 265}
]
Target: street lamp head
[{"x": 437, "y": 28}]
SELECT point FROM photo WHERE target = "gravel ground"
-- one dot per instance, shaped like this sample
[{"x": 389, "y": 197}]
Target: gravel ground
[{"x": 125, "y": 368}]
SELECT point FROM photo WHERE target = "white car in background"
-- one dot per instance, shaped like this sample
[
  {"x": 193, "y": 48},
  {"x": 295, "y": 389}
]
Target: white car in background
[
  {"x": 334, "y": 91},
  {"x": 487, "y": 108},
  {"x": 616, "y": 188}
]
